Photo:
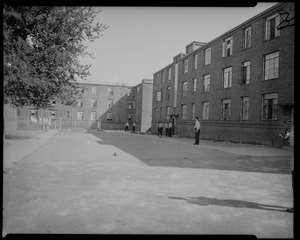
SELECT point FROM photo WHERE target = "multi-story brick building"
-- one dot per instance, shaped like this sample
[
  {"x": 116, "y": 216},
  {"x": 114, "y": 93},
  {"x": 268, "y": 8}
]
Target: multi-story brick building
[
  {"x": 240, "y": 84},
  {"x": 142, "y": 105},
  {"x": 103, "y": 106}
]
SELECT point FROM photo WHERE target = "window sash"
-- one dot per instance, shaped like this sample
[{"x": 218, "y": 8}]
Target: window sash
[
  {"x": 207, "y": 58},
  {"x": 271, "y": 66},
  {"x": 205, "y": 111},
  {"x": 271, "y": 27},
  {"x": 270, "y": 102},
  {"x": 183, "y": 112},
  {"x": 227, "y": 77},
  {"x": 206, "y": 83},
  {"x": 247, "y": 38},
  {"x": 186, "y": 66}
]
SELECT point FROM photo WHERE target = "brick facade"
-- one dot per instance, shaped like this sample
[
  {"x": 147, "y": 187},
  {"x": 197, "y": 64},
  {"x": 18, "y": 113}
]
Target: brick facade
[{"x": 255, "y": 128}]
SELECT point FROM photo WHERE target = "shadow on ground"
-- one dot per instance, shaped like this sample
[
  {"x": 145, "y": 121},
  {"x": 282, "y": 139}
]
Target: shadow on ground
[
  {"x": 205, "y": 201},
  {"x": 161, "y": 153}
]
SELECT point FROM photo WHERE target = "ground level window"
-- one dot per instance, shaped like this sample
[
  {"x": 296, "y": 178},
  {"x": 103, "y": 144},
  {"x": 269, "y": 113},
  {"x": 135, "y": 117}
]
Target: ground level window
[
  {"x": 269, "y": 106},
  {"x": 109, "y": 116},
  {"x": 226, "y": 109},
  {"x": 79, "y": 115}
]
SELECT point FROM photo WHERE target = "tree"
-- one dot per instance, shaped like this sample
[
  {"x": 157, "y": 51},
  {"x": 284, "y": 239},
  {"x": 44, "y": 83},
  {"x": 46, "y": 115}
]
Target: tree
[{"x": 41, "y": 49}]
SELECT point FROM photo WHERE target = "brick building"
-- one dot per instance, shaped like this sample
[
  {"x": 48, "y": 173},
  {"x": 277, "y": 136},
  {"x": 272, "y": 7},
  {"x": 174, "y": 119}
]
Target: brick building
[
  {"x": 240, "y": 84},
  {"x": 103, "y": 105}
]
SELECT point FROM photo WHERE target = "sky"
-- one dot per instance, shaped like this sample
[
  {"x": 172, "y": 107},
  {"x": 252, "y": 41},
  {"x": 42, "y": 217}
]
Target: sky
[{"x": 143, "y": 40}]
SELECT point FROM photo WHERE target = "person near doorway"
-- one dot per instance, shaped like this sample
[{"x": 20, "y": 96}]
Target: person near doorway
[
  {"x": 197, "y": 131},
  {"x": 170, "y": 129},
  {"x": 133, "y": 127},
  {"x": 167, "y": 128}
]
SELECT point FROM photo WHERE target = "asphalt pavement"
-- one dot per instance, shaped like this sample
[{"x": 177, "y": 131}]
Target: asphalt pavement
[{"x": 123, "y": 183}]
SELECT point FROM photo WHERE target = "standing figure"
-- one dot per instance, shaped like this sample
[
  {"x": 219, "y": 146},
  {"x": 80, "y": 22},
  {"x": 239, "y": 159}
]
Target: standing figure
[
  {"x": 197, "y": 131},
  {"x": 133, "y": 127},
  {"x": 160, "y": 128},
  {"x": 170, "y": 129},
  {"x": 167, "y": 129},
  {"x": 126, "y": 126}
]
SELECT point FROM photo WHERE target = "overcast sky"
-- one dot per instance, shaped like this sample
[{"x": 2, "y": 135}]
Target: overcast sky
[{"x": 142, "y": 40}]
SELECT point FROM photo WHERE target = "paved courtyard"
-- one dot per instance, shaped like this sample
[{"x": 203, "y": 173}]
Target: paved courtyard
[{"x": 123, "y": 183}]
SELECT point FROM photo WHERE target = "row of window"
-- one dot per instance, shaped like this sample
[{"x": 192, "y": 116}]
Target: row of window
[
  {"x": 110, "y": 103},
  {"x": 270, "y": 68},
  {"x": 269, "y": 109},
  {"x": 271, "y": 32},
  {"x": 110, "y": 91}
]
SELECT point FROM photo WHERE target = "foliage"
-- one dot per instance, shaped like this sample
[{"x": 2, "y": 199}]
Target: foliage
[{"x": 41, "y": 49}]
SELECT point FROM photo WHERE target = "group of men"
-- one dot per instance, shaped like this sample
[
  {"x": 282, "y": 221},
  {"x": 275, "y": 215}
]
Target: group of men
[
  {"x": 168, "y": 126},
  {"x": 169, "y": 129}
]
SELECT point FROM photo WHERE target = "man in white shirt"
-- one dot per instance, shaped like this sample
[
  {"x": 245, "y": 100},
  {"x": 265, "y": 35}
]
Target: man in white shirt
[{"x": 197, "y": 131}]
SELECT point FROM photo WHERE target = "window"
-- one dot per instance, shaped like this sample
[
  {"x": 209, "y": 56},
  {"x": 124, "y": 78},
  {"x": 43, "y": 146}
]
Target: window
[
  {"x": 206, "y": 83},
  {"x": 271, "y": 66},
  {"x": 129, "y": 117},
  {"x": 225, "y": 109},
  {"x": 269, "y": 102},
  {"x": 183, "y": 112},
  {"x": 161, "y": 113},
  {"x": 133, "y": 105},
  {"x": 227, "y": 47},
  {"x": 247, "y": 38},
  {"x": 246, "y": 72},
  {"x": 184, "y": 89},
  {"x": 110, "y": 91},
  {"x": 227, "y": 77},
  {"x": 138, "y": 90},
  {"x": 110, "y": 103},
  {"x": 158, "y": 96},
  {"x": 271, "y": 27},
  {"x": 157, "y": 78},
  {"x": 194, "y": 86},
  {"x": 205, "y": 110},
  {"x": 195, "y": 61},
  {"x": 162, "y": 94},
  {"x": 79, "y": 102},
  {"x": 193, "y": 111},
  {"x": 207, "y": 56},
  {"x": 169, "y": 74},
  {"x": 93, "y": 103},
  {"x": 129, "y": 104},
  {"x": 168, "y": 93},
  {"x": 109, "y": 116},
  {"x": 168, "y": 113},
  {"x": 68, "y": 114},
  {"x": 94, "y": 90},
  {"x": 186, "y": 66},
  {"x": 244, "y": 108},
  {"x": 79, "y": 115},
  {"x": 93, "y": 116}
]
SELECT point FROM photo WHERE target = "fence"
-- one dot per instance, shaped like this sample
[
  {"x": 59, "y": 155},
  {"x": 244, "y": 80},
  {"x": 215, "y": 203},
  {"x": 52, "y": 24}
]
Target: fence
[{"x": 58, "y": 124}]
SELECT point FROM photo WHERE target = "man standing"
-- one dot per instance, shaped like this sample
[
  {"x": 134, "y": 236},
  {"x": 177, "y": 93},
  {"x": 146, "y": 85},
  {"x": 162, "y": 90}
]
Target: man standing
[
  {"x": 197, "y": 131},
  {"x": 167, "y": 129},
  {"x": 133, "y": 127}
]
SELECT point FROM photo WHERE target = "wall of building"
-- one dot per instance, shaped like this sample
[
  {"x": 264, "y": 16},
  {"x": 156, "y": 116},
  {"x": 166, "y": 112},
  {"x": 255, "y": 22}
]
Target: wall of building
[{"x": 254, "y": 129}]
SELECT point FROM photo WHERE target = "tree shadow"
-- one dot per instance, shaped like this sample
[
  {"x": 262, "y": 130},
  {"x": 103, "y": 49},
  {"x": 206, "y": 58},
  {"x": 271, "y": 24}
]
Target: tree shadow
[{"x": 205, "y": 201}]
